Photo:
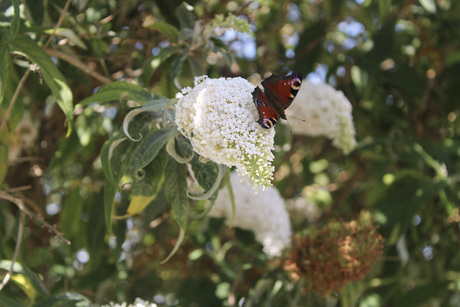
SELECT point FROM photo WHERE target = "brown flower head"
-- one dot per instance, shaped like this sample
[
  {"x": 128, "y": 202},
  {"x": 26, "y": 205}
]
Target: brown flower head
[{"x": 327, "y": 258}]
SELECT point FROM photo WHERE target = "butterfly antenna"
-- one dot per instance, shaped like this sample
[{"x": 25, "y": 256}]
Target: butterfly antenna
[
  {"x": 289, "y": 126},
  {"x": 297, "y": 118}
]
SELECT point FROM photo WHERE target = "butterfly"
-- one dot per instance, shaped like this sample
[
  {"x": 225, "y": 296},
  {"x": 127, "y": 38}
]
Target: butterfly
[{"x": 277, "y": 95}]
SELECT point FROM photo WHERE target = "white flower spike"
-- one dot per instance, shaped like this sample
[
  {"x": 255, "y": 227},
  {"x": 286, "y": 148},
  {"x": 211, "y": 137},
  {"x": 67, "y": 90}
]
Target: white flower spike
[
  {"x": 264, "y": 214},
  {"x": 219, "y": 118},
  {"x": 326, "y": 112}
]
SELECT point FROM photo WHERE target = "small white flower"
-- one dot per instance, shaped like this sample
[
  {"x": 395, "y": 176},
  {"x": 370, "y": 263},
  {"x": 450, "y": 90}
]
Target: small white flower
[
  {"x": 263, "y": 213},
  {"x": 327, "y": 112},
  {"x": 219, "y": 118}
]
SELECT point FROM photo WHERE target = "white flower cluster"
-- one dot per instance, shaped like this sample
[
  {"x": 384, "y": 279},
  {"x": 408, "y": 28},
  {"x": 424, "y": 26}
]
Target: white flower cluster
[
  {"x": 263, "y": 213},
  {"x": 326, "y": 112},
  {"x": 219, "y": 118}
]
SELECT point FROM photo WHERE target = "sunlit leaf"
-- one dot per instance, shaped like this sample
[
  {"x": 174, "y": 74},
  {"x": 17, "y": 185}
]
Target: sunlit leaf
[
  {"x": 70, "y": 35},
  {"x": 27, "y": 280},
  {"x": 115, "y": 90},
  {"x": 52, "y": 76}
]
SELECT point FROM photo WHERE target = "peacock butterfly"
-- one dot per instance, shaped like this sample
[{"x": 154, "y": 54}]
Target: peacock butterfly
[{"x": 277, "y": 96}]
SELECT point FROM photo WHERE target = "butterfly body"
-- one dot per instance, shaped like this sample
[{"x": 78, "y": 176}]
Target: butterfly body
[{"x": 277, "y": 95}]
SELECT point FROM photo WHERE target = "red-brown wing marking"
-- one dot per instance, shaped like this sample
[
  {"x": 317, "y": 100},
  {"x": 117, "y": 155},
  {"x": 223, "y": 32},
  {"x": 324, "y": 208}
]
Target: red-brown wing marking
[
  {"x": 267, "y": 117},
  {"x": 278, "y": 94},
  {"x": 280, "y": 87}
]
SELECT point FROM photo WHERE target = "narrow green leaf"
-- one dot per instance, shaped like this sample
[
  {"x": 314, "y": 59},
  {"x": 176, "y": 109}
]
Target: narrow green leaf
[
  {"x": 52, "y": 76},
  {"x": 176, "y": 191},
  {"x": 110, "y": 192},
  {"x": 179, "y": 241},
  {"x": 167, "y": 29},
  {"x": 384, "y": 8},
  {"x": 70, "y": 214},
  {"x": 185, "y": 16},
  {"x": 16, "y": 21},
  {"x": 115, "y": 90},
  {"x": 5, "y": 64},
  {"x": 106, "y": 155},
  {"x": 149, "y": 147},
  {"x": 115, "y": 157}
]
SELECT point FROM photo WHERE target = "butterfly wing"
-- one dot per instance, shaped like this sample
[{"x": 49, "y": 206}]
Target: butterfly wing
[
  {"x": 281, "y": 91},
  {"x": 278, "y": 94},
  {"x": 267, "y": 115}
]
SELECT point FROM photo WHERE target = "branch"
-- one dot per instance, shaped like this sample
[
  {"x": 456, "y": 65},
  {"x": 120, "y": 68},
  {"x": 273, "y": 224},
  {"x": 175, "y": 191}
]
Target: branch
[
  {"x": 80, "y": 65},
  {"x": 20, "y": 204}
]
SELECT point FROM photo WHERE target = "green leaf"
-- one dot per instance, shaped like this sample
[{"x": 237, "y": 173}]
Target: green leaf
[
  {"x": 149, "y": 147},
  {"x": 115, "y": 90},
  {"x": 25, "y": 279},
  {"x": 176, "y": 67},
  {"x": 167, "y": 29},
  {"x": 196, "y": 67},
  {"x": 206, "y": 175},
  {"x": 151, "y": 182},
  {"x": 63, "y": 300},
  {"x": 110, "y": 192},
  {"x": 70, "y": 35},
  {"x": 176, "y": 191},
  {"x": 37, "y": 10},
  {"x": 16, "y": 21},
  {"x": 153, "y": 63},
  {"x": 5, "y": 64},
  {"x": 185, "y": 16},
  {"x": 137, "y": 204},
  {"x": 52, "y": 76},
  {"x": 71, "y": 213},
  {"x": 384, "y": 8},
  {"x": 115, "y": 156},
  {"x": 6, "y": 301}
]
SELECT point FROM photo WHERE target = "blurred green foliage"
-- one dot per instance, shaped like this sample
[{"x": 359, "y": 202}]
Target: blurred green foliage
[{"x": 396, "y": 61}]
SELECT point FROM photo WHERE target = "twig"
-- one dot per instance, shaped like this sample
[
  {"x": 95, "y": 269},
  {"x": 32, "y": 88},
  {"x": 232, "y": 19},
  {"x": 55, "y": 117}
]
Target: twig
[
  {"x": 16, "y": 248},
  {"x": 20, "y": 204},
  {"x": 80, "y": 65},
  {"x": 18, "y": 189},
  {"x": 58, "y": 24},
  {"x": 13, "y": 99}
]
